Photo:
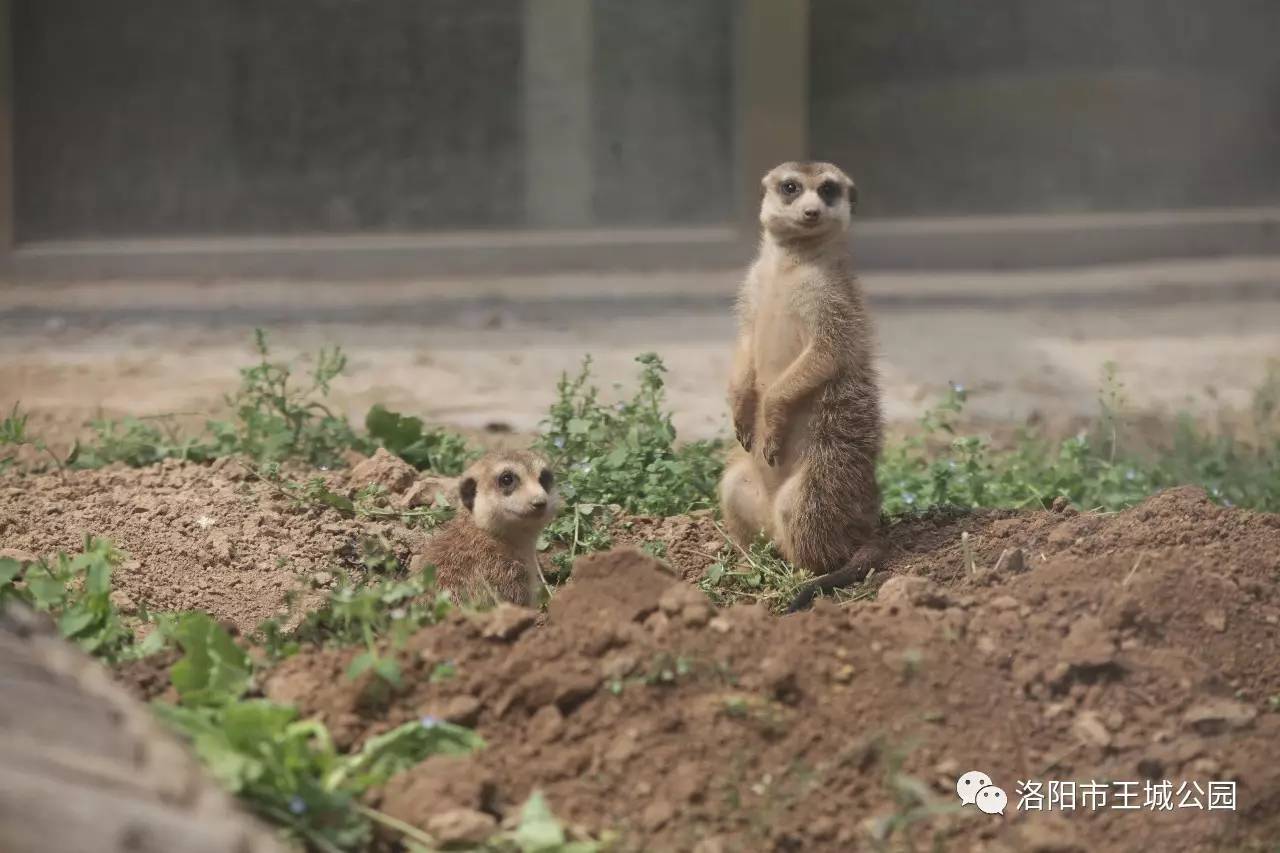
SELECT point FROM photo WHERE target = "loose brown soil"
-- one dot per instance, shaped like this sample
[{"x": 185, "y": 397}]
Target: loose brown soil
[{"x": 1113, "y": 647}]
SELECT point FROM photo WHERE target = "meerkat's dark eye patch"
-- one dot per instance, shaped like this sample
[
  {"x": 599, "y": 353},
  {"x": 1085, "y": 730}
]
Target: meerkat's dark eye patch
[
  {"x": 830, "y": 192},
  {"x": 507, "y": 482},
  {"x": 789, "y": 189},
  {"x": 547, "y": 479},
  {"x": 467, "y": 491}
]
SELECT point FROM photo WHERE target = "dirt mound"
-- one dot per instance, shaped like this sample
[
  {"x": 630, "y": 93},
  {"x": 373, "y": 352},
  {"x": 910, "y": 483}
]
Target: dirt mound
[
  {"x": 687, "y": 543},
  {"x": 1125, "y": 648},
  {"x": 197, "y": 537},
  {"x": 1061, "y": 646}
]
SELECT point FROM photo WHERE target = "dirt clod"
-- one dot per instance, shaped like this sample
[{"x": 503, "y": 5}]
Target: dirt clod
[
  {"x": 507, "y": 621},
  {"x": 1218, "y": 715},
  {"x": 383, "y": 469},
  {"x": 623, "y": 585},
  {"x": 458, "y": 827}
]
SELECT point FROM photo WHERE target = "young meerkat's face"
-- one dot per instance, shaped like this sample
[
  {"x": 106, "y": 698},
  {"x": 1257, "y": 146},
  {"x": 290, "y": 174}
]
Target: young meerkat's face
[
  {"x": 803, "y": 200},
  {"x": 510, "y": 493}
]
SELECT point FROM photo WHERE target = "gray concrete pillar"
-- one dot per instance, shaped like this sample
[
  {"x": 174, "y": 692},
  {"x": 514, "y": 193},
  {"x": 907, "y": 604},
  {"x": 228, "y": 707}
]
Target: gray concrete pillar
[
  {"x": 557, "y": 113},
  {"x": 7, "y": 199},
  {"x": 771, "y": 100}
]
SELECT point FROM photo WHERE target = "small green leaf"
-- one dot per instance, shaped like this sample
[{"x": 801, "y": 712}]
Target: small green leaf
[
  {"x": 395, "y": 431},
  {"x": 9, "y": 569},
  {"x": 538, "y": 830},
  {"x": 98, "y": 581},
  {"x": 72, "y": 622},
  {"x": 405, "y": 746},
  {"x": 388, "y": 670},
  {"x": 359, "y": 664},
  {"x": 214, "y": 669},
  {"x": 48, "y": 591}
]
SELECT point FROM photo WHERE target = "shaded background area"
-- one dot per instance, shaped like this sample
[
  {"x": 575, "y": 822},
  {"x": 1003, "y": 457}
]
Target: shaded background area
[
  {"x": 234, "y": 117},
  {"x": 208, "y": 116},
  {"x": 471, "y": 195},
  {"x": 1043, "y": 106}
]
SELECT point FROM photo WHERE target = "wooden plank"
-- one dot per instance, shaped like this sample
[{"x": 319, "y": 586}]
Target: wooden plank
[
  {"x": 41, "y": 813},
  {"x": 84, "y": 766}
]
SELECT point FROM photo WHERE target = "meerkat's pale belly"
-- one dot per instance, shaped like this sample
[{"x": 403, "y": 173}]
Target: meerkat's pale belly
[{"x": 780, "y": 339}]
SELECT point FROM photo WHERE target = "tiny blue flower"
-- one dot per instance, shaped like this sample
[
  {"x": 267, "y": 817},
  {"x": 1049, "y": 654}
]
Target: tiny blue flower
[
  {"x": 619, "y": 406},
  {"x": 1227, "y": 502},
  {"x": 558, "y": 441},
  {"x": 429, "y": 722},
  {"x": 957, "y": 387},
  {"x": 1131, "y": 474},
  {"x": 297, "y": 805},
  {"x": 909, "y": 498}
]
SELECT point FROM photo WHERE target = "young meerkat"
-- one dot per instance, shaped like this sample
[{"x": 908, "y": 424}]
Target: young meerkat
[
  {"x": 491, "y": 545},
  {"x": 804, "y": 397}
]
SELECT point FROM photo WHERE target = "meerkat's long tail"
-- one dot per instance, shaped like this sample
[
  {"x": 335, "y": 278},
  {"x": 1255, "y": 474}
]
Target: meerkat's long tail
[{"x": 865, "y": 559}]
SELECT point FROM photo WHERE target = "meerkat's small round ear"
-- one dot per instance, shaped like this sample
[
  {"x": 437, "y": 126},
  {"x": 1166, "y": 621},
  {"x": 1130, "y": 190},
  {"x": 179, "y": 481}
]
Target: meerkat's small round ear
[
  {"x": 853, "y": 198},
  {"x": 467, "y": 491}
]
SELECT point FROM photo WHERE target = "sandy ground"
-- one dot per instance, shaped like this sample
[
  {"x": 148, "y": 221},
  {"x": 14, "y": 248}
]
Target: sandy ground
[
  {"x": 1139, "y": 648},
  {"x": 1187, "y": 335}
]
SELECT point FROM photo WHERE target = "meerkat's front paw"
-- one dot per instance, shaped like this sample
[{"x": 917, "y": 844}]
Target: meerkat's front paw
[
  {"x": 771, "y": 448},
  {"x": 746, "y": 434}
]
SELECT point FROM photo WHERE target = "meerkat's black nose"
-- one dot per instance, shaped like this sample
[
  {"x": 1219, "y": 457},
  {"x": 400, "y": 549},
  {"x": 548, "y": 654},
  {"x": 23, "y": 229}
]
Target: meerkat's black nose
[
  {"x": 811, "y": 214},
  {"x": 538, "y": 501}
]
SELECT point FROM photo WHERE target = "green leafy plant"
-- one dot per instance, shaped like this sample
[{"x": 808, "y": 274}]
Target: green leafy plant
[
  {"x": 137, "y": 442},
  {"x": 275, "y": 418},
  {"x": 435, "y": 450},
  {"x": 13, "y": 433},
  {"x": 213, "y": 668},
  {"x": 623, "y": 455},
  {"x": 367, "y": 613},
  {"x": 626, "y": 454},
  {"x": 1094, "y": 469},
  {"x": 369, "y": 502},
  {"x": 76, "y": 591},
  {"x": 288, "y": 769}
]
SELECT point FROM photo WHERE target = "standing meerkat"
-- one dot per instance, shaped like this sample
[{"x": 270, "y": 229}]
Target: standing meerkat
[
  {"x": 491, "y": 545},
  {"x": 804, "y": 397}
]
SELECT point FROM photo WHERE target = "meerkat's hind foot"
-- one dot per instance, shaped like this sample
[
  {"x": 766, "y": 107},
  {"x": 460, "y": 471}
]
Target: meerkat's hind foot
[{"x": 859, "y": 566}]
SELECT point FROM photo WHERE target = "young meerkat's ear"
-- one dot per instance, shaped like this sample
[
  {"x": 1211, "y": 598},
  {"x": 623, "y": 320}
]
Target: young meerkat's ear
[{"x": 467, "y": 491}]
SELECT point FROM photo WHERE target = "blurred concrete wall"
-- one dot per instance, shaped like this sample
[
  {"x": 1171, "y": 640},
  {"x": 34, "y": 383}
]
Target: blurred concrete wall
[
  {"x": 154, "y": 118},
  {"x": 178, "y": 117},
  {"x": 1048, "y": 106}
]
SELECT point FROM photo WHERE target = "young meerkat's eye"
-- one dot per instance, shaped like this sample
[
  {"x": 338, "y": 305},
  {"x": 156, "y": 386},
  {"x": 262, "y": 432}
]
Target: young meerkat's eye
[
  {"x": 789, "y": 187},
  {"x": 506, "y": 479},
  {"x": 547, "y": 479},
  {"x": 829, "y": 192}
]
